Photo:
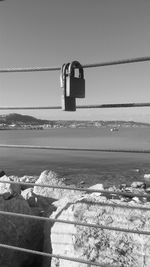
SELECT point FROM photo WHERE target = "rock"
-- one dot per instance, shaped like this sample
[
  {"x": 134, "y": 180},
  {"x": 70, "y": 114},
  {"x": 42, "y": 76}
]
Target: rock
[
  {"x": 30, "y": 197},
  {"x": 138, "y": 184},
  {"x": 82, "y": 182},
  {"x": 49, "y": 178},
  {"x": 131, "y": 191},
  {"x": 137, "y": 170},
  {"x": 17, "y": 231},
  {"x": 147, "y": 190},
  {"x": 122, "y": 186},
  {"x": 52, "y": 179},
  {"x": 136, "y": 199},
  {"x": 2, "y": 173},
  {"x": 147, "y": 179},
  {"x": 64, "y": 179},
  {"x": 43, "y": 204},
  {"x": 9, "y": 190},
  {"x": 27, "y": 179},
  {"x": 59, "y": 206},
  {"x": 97, "y": 187},
  {"x": 96, "y": 244}
]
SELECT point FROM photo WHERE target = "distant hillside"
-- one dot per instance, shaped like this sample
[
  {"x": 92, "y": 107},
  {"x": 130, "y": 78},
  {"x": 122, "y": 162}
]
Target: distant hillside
[
  {"x": 15, "y": 118},
  {"x": 21, "y": 120}
]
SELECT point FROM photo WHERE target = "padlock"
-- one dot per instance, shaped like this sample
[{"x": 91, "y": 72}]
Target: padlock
[
  {"x": 75, "y": 86},
  {"x": 68, "y": 103}
]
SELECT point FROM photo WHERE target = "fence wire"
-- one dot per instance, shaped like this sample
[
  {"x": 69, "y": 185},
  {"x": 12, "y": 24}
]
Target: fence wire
[
  {"x": 144, "y": 151},
  {"x": 91, "y": 225},
  {"x": 97, "y": 106},
  {"x": 87, "y": 190},
  {"x": 89, "y": 263},
  {"x": 93, "y": 65}
]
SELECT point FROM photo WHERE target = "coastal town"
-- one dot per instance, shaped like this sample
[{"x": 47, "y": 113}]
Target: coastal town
[{"x": 16, "y": 121}]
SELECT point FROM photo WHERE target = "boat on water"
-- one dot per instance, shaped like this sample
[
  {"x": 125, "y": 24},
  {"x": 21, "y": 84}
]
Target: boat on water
[{"x": 114, "y": 129}]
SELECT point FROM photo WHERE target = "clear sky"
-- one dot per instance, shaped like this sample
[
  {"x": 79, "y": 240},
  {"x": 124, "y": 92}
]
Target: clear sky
[{"x": 48, "y": 33}]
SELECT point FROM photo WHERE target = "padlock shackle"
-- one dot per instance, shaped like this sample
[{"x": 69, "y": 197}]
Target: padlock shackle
[
  {"x": 76, "y": 65},
  {"x": 63, "y": 74}
]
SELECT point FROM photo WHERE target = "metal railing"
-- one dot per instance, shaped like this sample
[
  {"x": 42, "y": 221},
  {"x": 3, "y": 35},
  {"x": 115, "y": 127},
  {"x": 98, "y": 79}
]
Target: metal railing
[
  {"x": 103, "y": 227},
  {"x": 86, "y": 190}
]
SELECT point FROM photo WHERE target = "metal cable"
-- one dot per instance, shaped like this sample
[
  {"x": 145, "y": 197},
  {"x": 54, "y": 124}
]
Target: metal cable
[
  {"x": 29, "y": 69},
  {"x": 87, "y": 190},
  {"x": 60, "y": 256},
  {"x": 117, "y": 62},
  {"x": 97, "y": 106},
  {"x": 93, "y": 65},
  {"x": 145, "y": 151},
  {"x": 114, "y": 205},
  {"x": 103, "y": 227},
  {"x": 36, "y": 107},
  {"x": 55, "y": 256},
  {"x": 120, "y": 105}
]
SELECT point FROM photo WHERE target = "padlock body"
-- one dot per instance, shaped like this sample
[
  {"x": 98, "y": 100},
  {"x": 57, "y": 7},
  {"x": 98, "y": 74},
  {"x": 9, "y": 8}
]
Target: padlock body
[
  {"x": 68, "y": 103},
  {"x": 75, "y": 87}
]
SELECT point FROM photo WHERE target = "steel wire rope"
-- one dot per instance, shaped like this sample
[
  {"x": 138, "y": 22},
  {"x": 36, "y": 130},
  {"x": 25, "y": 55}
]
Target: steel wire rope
[
  {"x": 93, "y": 65},
  {"x": 103, "y": 227},
  {"x": 114, "y": 205},
  {"x": 60, "y": 256},
  {"x": 88, "y": 190},
  {"x": 144, "y": 151},
  {"x": 96, "y": 106},
  {"x": 55, "y": 256}
]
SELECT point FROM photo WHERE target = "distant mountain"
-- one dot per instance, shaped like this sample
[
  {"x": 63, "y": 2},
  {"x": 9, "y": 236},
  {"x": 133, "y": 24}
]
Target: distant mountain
[
  {"x": 23, "y": 120},
  {"x": 15, "y": 118}
]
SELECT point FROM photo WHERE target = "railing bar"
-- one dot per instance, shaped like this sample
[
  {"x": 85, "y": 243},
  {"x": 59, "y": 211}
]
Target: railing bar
[
  {"x": 88, "y": 190},
  {"x": 115, "y": 205},
  {"x": 28, "y": 69},
  {"x": 75, "y": 223},
  {"x": 21, "y": 108},
  {"x": 76, "y": 149},
  {"x": 93, "y": 65},
  {"x": 55, "y": 256},
  {"x": 117, "y": 62},
  {"x": 122, "y": 105}
]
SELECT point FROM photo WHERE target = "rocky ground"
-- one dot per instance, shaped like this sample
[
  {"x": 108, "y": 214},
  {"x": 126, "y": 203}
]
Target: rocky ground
[{"x": 115, "y": 248}]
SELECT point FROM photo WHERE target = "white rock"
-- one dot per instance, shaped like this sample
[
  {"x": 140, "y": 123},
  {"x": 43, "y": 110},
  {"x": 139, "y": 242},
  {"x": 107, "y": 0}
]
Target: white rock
[
  {"x": 51, "y": 178},
  {"x": 100, "y": 245},
  {"x": 147, "y": 179},
  {"x": 10, "y": 189},
  {"x": 97, "y": 187}
]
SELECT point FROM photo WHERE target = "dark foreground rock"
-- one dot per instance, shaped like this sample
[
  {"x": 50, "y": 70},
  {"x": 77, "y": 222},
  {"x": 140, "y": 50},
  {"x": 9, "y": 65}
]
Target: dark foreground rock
[
  {"x": 2, "y": 173},
  {"x": 21, "y": 232}
]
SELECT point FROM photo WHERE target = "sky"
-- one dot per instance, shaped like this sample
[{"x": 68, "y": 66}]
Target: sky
[{"x": 49, "y": 33}]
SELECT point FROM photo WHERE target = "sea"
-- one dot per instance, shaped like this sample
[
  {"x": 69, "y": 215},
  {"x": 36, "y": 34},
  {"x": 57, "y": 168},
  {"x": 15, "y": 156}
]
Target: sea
[{"x": 78, "y": 167}]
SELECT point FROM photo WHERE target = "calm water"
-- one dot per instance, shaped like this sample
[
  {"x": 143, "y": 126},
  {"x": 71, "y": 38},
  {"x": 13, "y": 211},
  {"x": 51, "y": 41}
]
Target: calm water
[{"x": 92, "y": 167}]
